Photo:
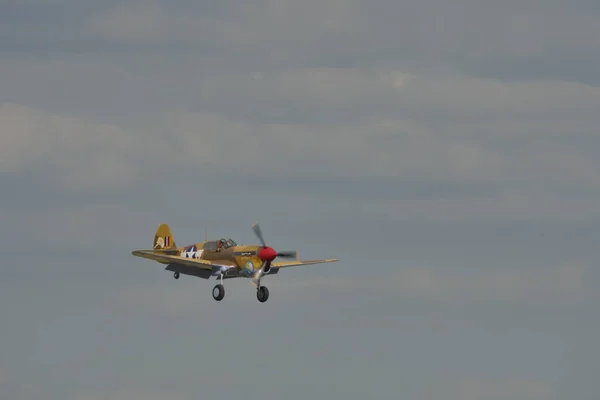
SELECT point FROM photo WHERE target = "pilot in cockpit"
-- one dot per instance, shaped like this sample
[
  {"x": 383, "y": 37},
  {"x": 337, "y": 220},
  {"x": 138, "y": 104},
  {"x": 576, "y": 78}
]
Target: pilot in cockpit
[{"x": 221, "y": 245}]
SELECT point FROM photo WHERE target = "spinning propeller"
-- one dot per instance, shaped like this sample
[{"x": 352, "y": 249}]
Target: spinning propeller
[{"x": 268, "y": 254}]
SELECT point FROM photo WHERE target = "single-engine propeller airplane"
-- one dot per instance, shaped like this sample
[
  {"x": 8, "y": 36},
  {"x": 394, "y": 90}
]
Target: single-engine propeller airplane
[{"x": 222, "y": 258}]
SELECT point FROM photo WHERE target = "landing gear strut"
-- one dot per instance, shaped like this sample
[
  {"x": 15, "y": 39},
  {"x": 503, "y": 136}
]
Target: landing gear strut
[
  {"x": 176, "y": 275},
  {"x": 262, "y": 294},
  {"x": 219, "y": 290}
]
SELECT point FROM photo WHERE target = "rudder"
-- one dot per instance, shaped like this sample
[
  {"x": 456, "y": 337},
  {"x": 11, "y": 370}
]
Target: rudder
[{"x": 163, "y": 238}]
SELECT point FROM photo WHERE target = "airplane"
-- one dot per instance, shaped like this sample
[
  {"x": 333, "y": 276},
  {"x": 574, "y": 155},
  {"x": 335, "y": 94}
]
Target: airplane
[{"x": 222, "y": 258}]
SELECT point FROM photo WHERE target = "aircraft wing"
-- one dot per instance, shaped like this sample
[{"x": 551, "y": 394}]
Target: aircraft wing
[
  {"x": 173, "y": 259},
  {"x": 282, "y": 264}
]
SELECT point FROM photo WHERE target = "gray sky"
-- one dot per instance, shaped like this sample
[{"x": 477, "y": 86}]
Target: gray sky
[{"x": 445, "y": 151}]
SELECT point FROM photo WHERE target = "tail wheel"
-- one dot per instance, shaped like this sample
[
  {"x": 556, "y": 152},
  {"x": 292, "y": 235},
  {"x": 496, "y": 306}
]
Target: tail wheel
[
  {"x": 218, "y": 292},
  {"x": 176, "y": 275},
  {"x": 262, "y": 294}
]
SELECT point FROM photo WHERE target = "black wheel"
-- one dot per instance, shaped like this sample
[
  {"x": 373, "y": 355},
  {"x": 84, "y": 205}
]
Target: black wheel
[
  {"x": 262, "y": 294},
  {"x": 218, "y": 292},
  {"x": 176, "y": 275}
]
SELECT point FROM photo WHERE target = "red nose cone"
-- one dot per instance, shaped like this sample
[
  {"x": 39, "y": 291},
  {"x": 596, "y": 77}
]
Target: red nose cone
[{"x": 267, "y": 254}]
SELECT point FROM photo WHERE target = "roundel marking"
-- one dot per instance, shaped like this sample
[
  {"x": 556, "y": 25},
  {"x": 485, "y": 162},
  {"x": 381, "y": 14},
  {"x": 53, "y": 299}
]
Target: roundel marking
[{"x": 249, "y": 266}]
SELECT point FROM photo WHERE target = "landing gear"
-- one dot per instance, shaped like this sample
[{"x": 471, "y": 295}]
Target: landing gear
[
  {"x": 176, "y": 275},
  {"x": 218, "y": 292},
  {"x": 262, "y": 294}
]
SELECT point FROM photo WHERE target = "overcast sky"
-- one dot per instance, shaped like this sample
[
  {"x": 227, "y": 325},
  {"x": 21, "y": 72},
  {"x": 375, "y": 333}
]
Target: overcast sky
[{"x": 446, "y": 151}]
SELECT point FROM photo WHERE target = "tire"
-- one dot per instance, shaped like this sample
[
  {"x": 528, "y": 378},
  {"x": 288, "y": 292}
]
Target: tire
[
  {"x": 218, "y": 292},
  {"x": 262, "y": 294}
]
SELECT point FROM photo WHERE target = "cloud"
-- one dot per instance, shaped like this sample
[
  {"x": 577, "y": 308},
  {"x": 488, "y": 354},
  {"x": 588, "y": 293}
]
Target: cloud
[
  {"x": 187, "y": 296},
  {"x": 510, "y": 204},
  {"x": 509, "y": 41},
  {"x": 400, "y": 147},
  {"x": 544, "y": 287},
  {"x": 529, "y": 139},
  {"x": 4, "y": 375},
  {"x": 504, "y": 41},
  {"x": 224, "y": 23},
  {"x": 87, "y": 227},
  {"x": 13, "y": 387},
  {"x": 76, "y": 152},
  {"x": 354, "y": 94},
  {"x": 176, "y": 300},
  {"x": 492, "y": 389},
  {"x": 457, "y": 135},
  {"x": 130, "y": 21},
  {"x": 135, "y": 394},
  {"x": 87, "y": 154},
  {"x": 562, "y": 284}
]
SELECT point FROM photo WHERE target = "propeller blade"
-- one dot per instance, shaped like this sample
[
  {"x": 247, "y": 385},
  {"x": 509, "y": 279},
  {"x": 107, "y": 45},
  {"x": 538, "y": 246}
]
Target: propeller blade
[
  {"x": 258, "y": 233},
  {"x": 287, "y": 254}
]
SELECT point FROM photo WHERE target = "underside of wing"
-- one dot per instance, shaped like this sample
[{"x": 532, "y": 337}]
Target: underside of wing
[
  {"x": 187, "y": 270},
  {"x": 173, "y": 259},
  {"x": 283, "y": 264}
]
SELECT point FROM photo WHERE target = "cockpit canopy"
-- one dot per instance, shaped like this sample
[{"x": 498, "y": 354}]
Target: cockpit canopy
[
  {"x": 214, "y": 244},
  {"x": 227, "y": 243}
]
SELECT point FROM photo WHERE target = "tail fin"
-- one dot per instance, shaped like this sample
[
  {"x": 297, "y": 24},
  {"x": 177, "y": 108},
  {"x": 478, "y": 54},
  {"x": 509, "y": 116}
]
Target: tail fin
[{"x": 163, "y": 238}]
